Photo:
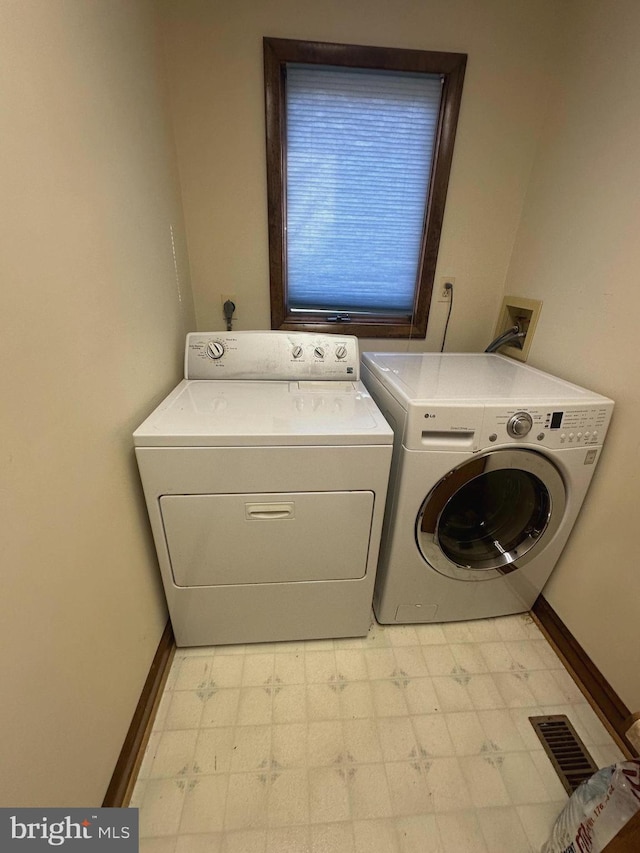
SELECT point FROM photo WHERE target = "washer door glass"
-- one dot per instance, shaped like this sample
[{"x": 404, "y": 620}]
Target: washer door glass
[{"x": 491, "y": 515}]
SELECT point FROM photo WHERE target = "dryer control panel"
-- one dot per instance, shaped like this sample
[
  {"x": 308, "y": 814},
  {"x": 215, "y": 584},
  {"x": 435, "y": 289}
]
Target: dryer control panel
[{"x": 288, "y": 356}]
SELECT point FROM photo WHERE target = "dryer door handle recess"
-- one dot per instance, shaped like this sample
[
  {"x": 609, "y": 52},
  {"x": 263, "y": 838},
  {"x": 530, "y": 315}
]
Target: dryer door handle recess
[
  {"x": 491, "y": 515},
  {"x": 269, "y": 512}
]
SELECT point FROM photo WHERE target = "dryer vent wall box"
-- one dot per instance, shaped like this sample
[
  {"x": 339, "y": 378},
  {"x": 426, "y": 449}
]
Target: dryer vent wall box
[
  {"x": 265, "y": 475},
  {"x": 492, "y": 461}
]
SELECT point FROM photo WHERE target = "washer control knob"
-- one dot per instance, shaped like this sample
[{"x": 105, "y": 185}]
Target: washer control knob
[
  {"x": 319, "y": 352},
  {"x": 296, "y": 352},
  {"x": 519, "y": 424},
  {"x": 341, "y": 351},
  {"x": 215, "y": 350}
]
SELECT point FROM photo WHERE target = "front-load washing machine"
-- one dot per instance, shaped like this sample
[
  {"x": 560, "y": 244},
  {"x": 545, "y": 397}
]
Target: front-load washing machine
[
  {"x": 265, "y": 475},
  {"x": 492, "y": 461}
]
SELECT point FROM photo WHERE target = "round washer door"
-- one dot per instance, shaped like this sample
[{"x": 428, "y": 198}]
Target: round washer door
[{"x": 491, "y": 515}]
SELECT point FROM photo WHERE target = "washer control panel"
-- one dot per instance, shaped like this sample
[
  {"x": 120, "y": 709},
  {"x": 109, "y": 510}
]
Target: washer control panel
[
  {"x": 554, "y": 427},
  {"x": 288, "y": 356}
]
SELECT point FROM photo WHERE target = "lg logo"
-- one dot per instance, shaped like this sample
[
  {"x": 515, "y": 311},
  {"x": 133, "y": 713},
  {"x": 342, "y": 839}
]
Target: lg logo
[{"x": 428, "y": 415}]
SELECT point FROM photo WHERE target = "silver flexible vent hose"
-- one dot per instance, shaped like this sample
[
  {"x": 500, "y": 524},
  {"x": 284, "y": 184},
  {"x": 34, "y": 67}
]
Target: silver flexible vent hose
[{"x": 512, "y": 334}]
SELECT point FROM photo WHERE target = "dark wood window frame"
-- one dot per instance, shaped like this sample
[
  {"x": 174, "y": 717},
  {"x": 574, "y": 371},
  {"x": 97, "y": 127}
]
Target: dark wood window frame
[{"x": 451, "y": 68}]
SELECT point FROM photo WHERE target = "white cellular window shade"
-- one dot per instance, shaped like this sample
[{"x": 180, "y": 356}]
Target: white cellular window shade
[
  {"x": 359, "y": 154},
  {"x": 359, "y": 146}
]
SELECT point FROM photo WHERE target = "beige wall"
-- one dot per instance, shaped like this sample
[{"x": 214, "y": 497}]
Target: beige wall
[
  {"x": 578, "y": 249},
  {"x": 214, "y": 60},
  {"x": 93, "y": 317}
]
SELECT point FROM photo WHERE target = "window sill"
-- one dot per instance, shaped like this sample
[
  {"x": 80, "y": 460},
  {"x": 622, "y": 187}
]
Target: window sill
[{"x": 360, "y": 329}]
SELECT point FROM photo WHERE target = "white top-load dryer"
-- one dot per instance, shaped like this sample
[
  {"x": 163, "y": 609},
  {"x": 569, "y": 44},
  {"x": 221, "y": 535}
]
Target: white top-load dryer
[
  {"x": 492, "y": 461},
  {"x": 265, "y": 475}
]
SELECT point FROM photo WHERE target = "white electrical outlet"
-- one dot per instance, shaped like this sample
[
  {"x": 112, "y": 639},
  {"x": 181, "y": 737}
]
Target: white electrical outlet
[{"x": 444, "y": 292}]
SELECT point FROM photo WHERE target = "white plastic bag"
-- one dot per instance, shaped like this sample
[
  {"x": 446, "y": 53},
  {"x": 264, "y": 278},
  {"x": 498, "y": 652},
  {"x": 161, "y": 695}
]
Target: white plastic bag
[{"x": 597, "y": 810}]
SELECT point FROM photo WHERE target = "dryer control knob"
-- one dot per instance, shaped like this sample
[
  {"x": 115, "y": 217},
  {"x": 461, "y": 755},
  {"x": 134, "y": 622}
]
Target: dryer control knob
[
  {"x": 215, "y": 350},
  {"x": 519, "y": 424}
]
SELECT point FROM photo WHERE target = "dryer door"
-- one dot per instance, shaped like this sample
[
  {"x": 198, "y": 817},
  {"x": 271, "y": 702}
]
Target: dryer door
[{"x": 491, "y": 515}]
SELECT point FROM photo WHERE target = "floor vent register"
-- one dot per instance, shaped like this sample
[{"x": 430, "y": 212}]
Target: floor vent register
[{"x": 567, "y": 753}]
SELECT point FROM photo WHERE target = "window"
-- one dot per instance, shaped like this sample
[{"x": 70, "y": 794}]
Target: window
[{"x": 359, "y": 149}]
